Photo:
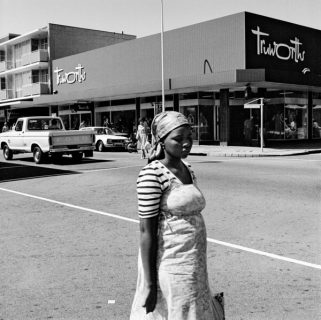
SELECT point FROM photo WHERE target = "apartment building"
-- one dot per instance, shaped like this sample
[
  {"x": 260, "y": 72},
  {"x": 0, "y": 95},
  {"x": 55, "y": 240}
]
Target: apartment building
[{"x": 26, "y": 60}]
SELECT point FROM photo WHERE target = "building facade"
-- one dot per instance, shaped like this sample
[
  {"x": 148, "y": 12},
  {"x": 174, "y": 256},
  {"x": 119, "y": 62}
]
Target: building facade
[
  {"x": 212, "y": 69},
  {"x": 26, "y": 62}
]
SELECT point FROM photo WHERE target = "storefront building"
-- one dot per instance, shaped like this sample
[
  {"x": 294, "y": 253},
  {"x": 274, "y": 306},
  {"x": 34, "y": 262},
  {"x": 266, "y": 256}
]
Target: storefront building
[{"x": 211, "y": 70}]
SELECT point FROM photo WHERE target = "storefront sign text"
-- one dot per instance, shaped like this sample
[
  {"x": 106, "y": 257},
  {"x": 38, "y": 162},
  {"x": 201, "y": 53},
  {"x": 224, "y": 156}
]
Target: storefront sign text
[
  {"x": 282, "y": 51},
  {"x": 70, "y": 77}
]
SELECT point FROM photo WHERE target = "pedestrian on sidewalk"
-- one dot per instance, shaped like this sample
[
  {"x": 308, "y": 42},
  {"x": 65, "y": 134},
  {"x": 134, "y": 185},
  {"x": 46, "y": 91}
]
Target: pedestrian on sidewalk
[
  {"x": 172, "y": 264},
  {"x": 141, "y": 137}
]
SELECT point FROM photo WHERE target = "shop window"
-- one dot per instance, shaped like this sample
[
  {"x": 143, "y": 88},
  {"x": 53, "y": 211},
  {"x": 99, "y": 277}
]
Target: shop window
[
  {"x": 295, "y": 121},
  {"x": 191, "y": 113},
  {"x": 316, "y": 116},
  {"x": 206, "y": 125},
  {"x": 274, "y": 121}
]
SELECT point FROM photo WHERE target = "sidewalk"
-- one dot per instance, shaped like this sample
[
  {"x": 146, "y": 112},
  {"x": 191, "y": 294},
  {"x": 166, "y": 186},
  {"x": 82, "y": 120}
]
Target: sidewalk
[{"x": 243, "y": 151}]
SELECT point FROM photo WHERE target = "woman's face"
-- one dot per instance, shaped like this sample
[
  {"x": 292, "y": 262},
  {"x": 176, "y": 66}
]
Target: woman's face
[{"x": 178, "y": 143}]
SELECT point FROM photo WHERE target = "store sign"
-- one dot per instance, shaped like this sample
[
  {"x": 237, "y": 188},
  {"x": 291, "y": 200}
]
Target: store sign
[
  {"x": 283, "y": 51},
  {"x": 70, "y": 77}
]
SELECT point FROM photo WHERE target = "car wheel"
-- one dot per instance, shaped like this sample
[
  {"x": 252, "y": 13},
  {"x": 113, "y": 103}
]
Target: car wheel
[
  {"x": 100, "y": 146},
  {"x": 38, "y": 155},
  {"x": 77, "y": 156},
  {"x": 7, "y": 153}
]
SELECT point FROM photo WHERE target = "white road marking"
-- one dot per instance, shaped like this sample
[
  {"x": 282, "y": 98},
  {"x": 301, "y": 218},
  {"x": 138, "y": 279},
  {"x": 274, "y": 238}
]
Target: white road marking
[
  {"x": 111, "y": 301},
  {"x": 226, "y": 244}
]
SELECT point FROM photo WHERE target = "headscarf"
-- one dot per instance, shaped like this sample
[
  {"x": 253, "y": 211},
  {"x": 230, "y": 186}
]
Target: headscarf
[{"x": 162, "y": 125}]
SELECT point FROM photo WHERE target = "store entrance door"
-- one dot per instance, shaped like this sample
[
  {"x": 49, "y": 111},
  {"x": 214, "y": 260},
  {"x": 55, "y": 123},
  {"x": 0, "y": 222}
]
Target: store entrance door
[{"x": 237, "y": 117}]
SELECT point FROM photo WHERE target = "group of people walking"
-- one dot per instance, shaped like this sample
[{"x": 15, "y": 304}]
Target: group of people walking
[{"x": 172, "y": 281}]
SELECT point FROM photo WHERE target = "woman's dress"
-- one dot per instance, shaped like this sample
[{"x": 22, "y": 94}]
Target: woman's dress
[{"x": 183, "y": 288}]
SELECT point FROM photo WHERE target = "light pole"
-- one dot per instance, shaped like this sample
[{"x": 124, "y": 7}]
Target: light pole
[{"x": 162, "y": 57}]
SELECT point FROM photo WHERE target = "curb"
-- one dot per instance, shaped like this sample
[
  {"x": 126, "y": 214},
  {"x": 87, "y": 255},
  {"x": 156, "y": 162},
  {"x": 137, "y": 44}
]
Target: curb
[{"x": 253, "y": 155}]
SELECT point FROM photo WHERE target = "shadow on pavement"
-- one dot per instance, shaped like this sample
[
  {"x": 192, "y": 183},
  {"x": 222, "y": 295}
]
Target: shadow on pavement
[
  {"x": 14, "y": 171},
  {"x": 66, "y": 161}
]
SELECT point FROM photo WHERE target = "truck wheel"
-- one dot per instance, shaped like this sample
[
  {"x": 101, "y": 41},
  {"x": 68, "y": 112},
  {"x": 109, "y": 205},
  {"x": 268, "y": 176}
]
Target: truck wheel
[
  {"x": 38, "y": 155},
  {"x": 100, "y": 146},
  {"x": 77, "y": 156},
  {"x": 7, "y": 153}
]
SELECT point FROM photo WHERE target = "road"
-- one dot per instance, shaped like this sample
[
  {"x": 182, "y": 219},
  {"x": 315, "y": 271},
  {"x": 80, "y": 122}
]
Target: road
[{"x": 69, "y": 236}]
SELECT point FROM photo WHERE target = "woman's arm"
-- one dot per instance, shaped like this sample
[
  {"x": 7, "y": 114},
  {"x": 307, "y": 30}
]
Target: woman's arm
[{"x": 148, "y": 246}]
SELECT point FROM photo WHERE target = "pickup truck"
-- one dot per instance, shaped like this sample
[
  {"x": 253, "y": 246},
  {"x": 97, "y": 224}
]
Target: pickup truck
[{"x": 46, "y": 136}]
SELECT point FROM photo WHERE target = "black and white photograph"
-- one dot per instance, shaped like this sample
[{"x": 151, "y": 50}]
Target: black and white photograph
[{"x": 160, "y": 160}]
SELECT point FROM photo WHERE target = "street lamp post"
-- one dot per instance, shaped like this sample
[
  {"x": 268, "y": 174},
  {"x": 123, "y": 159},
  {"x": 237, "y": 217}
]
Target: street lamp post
[{"x": 162, "y": 57}]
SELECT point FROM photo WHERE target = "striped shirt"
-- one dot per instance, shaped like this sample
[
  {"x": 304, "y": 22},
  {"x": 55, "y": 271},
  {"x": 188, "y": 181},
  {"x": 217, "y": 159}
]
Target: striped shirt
[{"x": 152, "y": 182}]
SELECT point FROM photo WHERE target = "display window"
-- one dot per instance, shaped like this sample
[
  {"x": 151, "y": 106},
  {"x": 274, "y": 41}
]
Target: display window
[
  {"x": 316, "y": 116},
  {"x": 206, "y": 129},
  {"x": 191, "y": 113},
  {"x": 286, "y": 117}
]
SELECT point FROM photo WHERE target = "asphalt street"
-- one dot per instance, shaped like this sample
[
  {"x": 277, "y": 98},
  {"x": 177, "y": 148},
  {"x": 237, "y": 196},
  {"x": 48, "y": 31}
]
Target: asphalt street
[{"x": 69, "y": 236}]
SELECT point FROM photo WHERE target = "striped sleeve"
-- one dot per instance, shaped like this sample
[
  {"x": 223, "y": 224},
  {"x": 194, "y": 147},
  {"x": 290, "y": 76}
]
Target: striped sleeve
[{"x": 150, "y": 186}]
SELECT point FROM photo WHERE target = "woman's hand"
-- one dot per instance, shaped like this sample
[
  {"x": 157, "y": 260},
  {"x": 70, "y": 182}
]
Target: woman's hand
[{"x": 151, "y": 299}]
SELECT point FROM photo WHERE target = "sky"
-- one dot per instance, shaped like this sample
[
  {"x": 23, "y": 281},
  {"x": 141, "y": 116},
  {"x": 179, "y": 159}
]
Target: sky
[{"x": 143, "y": 17}]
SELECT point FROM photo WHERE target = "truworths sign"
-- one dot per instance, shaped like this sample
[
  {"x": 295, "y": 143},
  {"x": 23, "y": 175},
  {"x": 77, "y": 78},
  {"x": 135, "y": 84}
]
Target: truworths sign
[
  {"x": 278, "y": 45},
  {"x": 70, "y": 77}
]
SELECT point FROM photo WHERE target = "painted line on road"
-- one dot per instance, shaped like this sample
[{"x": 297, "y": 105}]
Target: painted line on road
[
  {"x": 226, "y": 244},
  {"x": 70, "y": 205}
]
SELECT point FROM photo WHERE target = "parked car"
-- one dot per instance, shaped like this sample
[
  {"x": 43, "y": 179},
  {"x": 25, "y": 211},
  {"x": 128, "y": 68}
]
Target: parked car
[
  {"x": 116, "y": 132},
  {"x": 105, "y": 138}
]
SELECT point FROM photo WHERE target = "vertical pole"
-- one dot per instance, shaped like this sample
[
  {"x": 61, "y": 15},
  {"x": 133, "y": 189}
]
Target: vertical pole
[
  {"x": 162, "y": 53},
  {"x": 261, "y": 124}
]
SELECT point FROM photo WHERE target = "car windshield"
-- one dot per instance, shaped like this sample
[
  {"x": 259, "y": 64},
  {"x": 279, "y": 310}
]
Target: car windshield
[
  {"x": 44, "y": 124},
  {"x": 100, "y": 131}
]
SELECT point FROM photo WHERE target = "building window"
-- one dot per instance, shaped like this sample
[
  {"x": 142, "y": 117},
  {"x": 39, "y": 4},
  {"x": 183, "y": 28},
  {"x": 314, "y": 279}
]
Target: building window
[
  {"x": 40, "y": 76},
  {"x": 2, "y": 55},
  {"x": 43, "y": 44},
  {"x": 3, "y": 84}
]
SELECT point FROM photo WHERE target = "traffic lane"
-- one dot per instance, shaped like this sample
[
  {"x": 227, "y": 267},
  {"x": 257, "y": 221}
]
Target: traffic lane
[
  {"x": 263, "y": 222},
  {"x": 75, "y": 284},
  {"x": 258, "y": 287},
  {"x": 236, "y": 273},
  {"x": 62, "y": 263},
  {"x": 127, "y": 206},
  {"x": 24, "y": 167},
  {"x": 262, "y": 205}
]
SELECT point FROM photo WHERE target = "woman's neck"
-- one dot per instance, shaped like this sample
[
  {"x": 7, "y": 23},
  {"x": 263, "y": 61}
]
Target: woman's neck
[{"x": 172, "y": 163}]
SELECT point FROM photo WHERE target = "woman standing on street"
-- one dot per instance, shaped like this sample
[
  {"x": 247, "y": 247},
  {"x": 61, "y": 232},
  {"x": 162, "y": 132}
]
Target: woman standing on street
[
  {"x": 141, "y": 137},
  {"x": 172, "y": 265}
]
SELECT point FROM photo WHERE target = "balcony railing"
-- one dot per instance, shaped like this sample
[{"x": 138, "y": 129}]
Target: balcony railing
[
  {"x": 6, "y": 65},
  {"x": 34, "y": 56},
  {"x": 35, "y": 88},
  {"x": 27, "y": 90},
  {"x": 6, "y": 94}
]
